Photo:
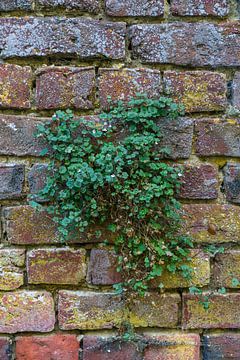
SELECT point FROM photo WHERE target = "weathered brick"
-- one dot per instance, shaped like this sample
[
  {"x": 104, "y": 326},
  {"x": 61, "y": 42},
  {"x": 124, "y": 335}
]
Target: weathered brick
[
  {"x": 236, "y": 90},
  {"x": 56, "y": 266},
  {"x": 69, "y": 37},
  {"x": 11, "y": 268},
  {"x": 218, "y": 137},
  {"x": 102, "y": 268},
  {"x": 212, "y": 223},
  {"x": 194, "y": 44},
  {"x": 199, "y": 182},
  {"x": 91, "y": 6},
  {"x": 20, "y": 130},
  {"x": 54, "y": 347},
  {"x": 232, "y": 182},
  {"x": 37, "y": 177},
  {"x": 135, "y": 8},
  {"x": 125, "y": 83},
  {"x": 197, "y": 90},
  {"x": 11, "y": 180},
  {"x": 218, "y": 8},
  {"x": 26, "y": 311},
  {"x": 105, "y": 348},
  {"x": 173, "y": 346},
  {"x": 65, "y": 87},
  {"x": 226, "y": 268},
  {"x": 15, "y": 86},
  {"x": 11, "y": 5},
  {"x": 221, "y": 346},
  {"x": 223, "y": 312},
  {"x": 154, "y": 309},
  {"x": 5, "y": 348},
  {"x": 89, "y": 310}
]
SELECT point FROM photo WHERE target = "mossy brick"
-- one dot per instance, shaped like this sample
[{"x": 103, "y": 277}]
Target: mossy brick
[
  {"x": 65, "y": 87},
  {"x": 11, "y": 180},
  {"x": 218, "y": 8},
  {"x": 135, "y": 8},
  {"x": 102, "y": 268},
  {"x": 154, "y": 310},
  {"x": 56, "y": 266},
  {"x": 217, "y": 346},
  {"x": 212, "y": 223},
  {"x": 11, "y": 267},
  {"x": 226, "y": 268},
  {"x": 26, "y": 311},
  {"x": 55, "y": 347},
  {"x": 5, "y": 348},
  {"x": 107, "y": 348},
  {"x": 16, "y": 5},
  {"x": 198, "y": 91},
  {"x": 172, "y": 346},
  {"x": 37, "y": 179},
  {"x": 223, "y": 311},
  {"x": 91, "y": 6},
  {"x": 236, "y": 90},
  {"x": 15, "y": 86},
  {"x": 181, "y": 43},
  {"x": 232, "y": 182},
  {"x": 217, "y": 137},
  {"x": 199, "y": 182},
  {"x": 65, "y": 37},
  {"x": 88, "y": 310}
]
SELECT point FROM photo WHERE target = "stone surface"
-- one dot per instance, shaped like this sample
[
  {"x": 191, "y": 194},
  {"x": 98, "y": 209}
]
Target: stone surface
[
  {"x": 54, "y": 347},
  {"x": 68, "y": 37},
  {"x": 91, "y": 6},
  {"x": 11, "y": 180},
  {"x": 216, "y": 137},
  {"x": 218, "y": 8},
  {"x": 212, "y": 223},
  {"x": 11, "y": 268},
  {"x": 11, "y": 5},
  {"x": 232, "y": 182},
  {"x": 135, "y": 8},
  {"x": 102, "y": 268},
  {"x": 104, "y": 348},
  {"x": 154, "y": 309},
  {"x": 20, "y": 130},
  {"x": 65, "y": 87},
  {"x": 236, "y": 90},
  {"x": 173, "y": 346},
  {"x": 194, "y": 44},
  {"x": 199, "y": 182},
  {"x": 37, "y": 177},
  {"x": 221, "y": 346},
  {"x": 15, "y": 86},
  {"x": 26, "y": 311},
  {"x": 223, "y": 312},
  {"x": 125, "y": 83},
  {"x": 5, "y": 348},
  {"x": 56, "y": 266},
  {"x": 197, "y": 90},
  {"x": 226, "y": 269},
  {"x": 89, "y": 310}
]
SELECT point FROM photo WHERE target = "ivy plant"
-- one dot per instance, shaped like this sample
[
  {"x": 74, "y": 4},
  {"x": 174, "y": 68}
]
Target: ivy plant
[{"x": 111, "y": 174}]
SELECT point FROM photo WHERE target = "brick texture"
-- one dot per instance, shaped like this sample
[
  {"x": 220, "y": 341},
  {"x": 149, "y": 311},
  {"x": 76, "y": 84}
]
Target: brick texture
[
  {"x": 11, "y": 180},
  {"x": 91, "y": 6},
  {"x": 11, "y": 267},
  {"x": 226, "y": 269},
  {"x": 221, "y": 346},
  {"x": 135, "y": 8},
  {"x": 37, "y": 179},
  {"x": 5, "y": 348},
  {"x": 11, "y": 5},
  {"x": 232, "y": 182},
  {"x": 218, "y": 8},
  {"x": 236, "y": 90}
]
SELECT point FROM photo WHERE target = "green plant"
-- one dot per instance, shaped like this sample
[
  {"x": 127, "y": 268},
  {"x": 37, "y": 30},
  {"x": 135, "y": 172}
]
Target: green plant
[{"x": 111, "y": 173}]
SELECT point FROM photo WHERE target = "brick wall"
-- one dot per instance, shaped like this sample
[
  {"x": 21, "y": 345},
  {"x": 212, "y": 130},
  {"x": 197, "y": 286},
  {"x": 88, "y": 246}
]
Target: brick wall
[{"x": 56, "y": 302}]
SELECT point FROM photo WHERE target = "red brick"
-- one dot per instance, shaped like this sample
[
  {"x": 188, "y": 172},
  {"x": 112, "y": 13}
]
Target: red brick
[
  {"x": 199, "y": 182},
  {"x": 89, "y": 310},
  {"x": 221, "y": 346},
  {"x": 236, "y": 90},
  {"x": 232, "y": 182},
  {"x": 54, "y": 347},
  {"x": 226, "y": 268},
  {"x": 11, "y": 267},
  {"x": 56, "y": 266},
  {"x": 174, "y": 346},
  {"x": 180, "y": 43},
  {"x": 37, "y": 177},
  {"x": 105, "y": 348},
  {"x": 125, "y": 83},
  {"x": 5, "y": 348},
  {"x": 65, "y": 87},
  {"x": 65, "y": 37},
  {"x": 91, "y": 6},
  {"x": 135, "y": 8},
  {"x": 11, "y": 180},
  {"x": 223, "y": 312},
  {"x": 218, "y": 8},
  {"x": 197, "y": 90},
  {"x": 15, "y": 86},
  {"x": 26, "y": 311},
  {"x": 102, "y": 268},
  {"x": 11, "y": 5}
]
